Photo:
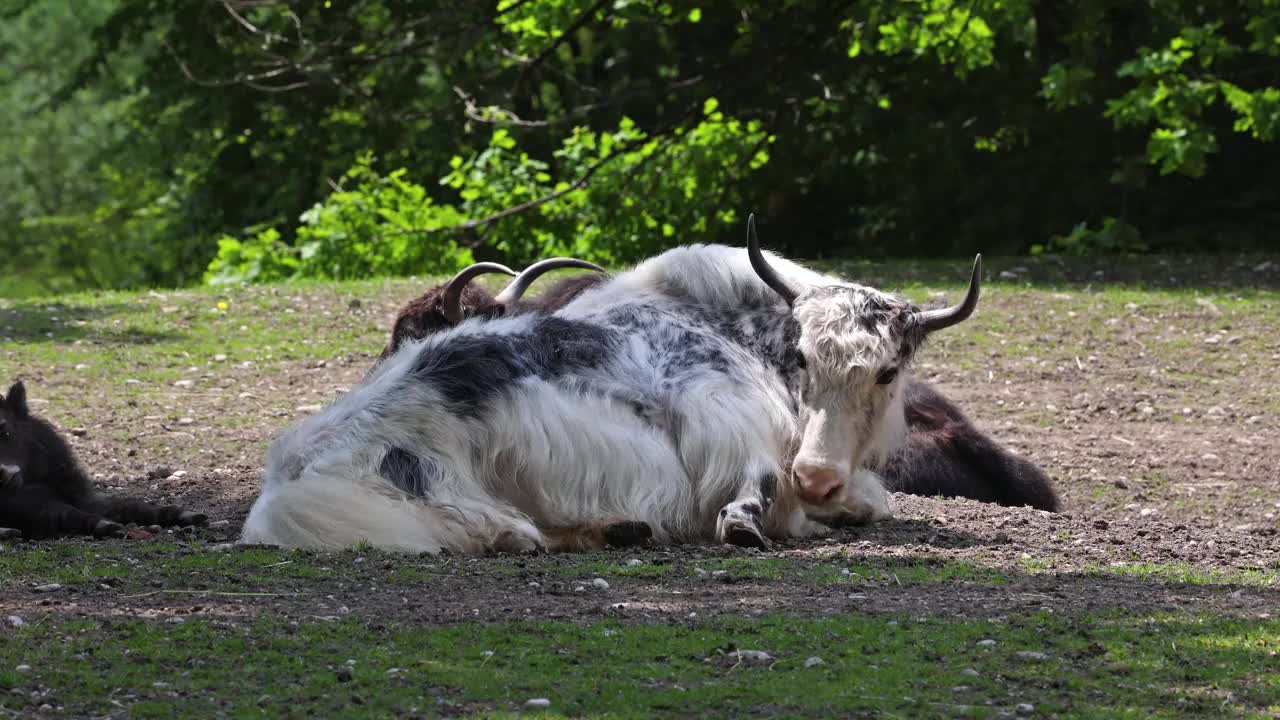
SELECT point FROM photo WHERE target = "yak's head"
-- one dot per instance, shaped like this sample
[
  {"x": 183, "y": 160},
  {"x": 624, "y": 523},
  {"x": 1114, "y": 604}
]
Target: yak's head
[
  {"x": 448, "y": 304},
  {"x": 15, "y": 420},
  {"x": 27, "y": 444},
  {"x": 856, "y": 343}
]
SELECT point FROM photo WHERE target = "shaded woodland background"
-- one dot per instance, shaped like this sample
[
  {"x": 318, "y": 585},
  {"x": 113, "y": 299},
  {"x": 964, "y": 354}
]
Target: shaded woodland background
[{"x": 149, "y": 143}]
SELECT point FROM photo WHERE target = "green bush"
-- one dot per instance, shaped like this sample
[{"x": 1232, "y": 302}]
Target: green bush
[
  {"x": 383, "y": 225},
  {"x": 1115, "y": 237}
]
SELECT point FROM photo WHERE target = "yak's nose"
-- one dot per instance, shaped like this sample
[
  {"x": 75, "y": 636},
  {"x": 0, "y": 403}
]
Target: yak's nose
[{"x": 819, "y": 484}]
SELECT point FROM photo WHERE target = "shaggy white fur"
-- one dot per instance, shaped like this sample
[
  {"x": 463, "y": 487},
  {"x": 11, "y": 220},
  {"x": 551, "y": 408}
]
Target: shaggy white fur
[{"x": 679, "y": 393}]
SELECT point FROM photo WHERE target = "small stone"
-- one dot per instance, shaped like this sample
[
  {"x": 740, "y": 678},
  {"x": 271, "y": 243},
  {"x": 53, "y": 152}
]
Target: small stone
[
  {"x": 14, "y": 621},
  {"x": 48, "y": 588},
  {"x": 969, "y": 672},
  {"x": 219, "y": 523},
  {"x": 79, "y": 432},
  {"x": 814, "y": 662},
  {"x": 635, "y": 562},
  {"x": 1147, "y": 512},
  {"x": 343, "y": 674},
  {"x": 600, "y": 584},
  {"x": 176, "y": 620},
  {"x": 309, "y": 408},
  {"x": 184, "y": 383},
  {"x": 23, "y": 669},
  {"x": 186, "y": 421},
  {"x": 159, "y": 472},
  {"x": 1031, "y": 655},
  {"x": 1101, "y": 524},
  {"x": 1024, "y": 708},
  {"x": 219, "y": 358},
  {"x": 987, "y": 642},
  {"x": 537, "y": 703}
]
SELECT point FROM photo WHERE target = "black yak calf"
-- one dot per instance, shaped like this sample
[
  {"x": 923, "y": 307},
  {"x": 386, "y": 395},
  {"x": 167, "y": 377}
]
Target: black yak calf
[
  {"x": 45, "y": 493},
  {"x": 944, "y": 454}
]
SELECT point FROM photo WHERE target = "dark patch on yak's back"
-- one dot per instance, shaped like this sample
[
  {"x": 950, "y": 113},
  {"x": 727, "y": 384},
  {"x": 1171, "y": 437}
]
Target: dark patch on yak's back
[
  {"x": 408, "y": 472},
  {"x": 469, "y": 370}
]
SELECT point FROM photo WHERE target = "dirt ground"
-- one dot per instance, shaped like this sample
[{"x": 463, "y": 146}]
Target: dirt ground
[{"x": 1156, "y": 415}]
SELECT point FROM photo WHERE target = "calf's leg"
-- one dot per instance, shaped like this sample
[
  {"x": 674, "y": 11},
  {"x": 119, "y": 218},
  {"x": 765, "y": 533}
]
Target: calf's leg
[{"x": 132, "y": 510}]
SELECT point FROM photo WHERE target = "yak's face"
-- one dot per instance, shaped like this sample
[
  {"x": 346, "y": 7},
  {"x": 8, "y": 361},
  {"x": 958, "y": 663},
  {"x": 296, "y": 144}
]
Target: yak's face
[
  {"x": 857, "y": 344},
  {"x": 15, "y": 427}
]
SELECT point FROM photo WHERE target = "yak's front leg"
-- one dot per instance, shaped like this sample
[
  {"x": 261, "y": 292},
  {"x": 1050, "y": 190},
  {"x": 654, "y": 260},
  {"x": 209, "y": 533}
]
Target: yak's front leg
[{"x": 742, "y": 521}]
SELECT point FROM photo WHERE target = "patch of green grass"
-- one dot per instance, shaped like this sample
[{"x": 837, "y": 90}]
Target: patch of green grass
[
  {"x": 1173, "y": 573},
  {"x": 79, "y": 563},
  {"x": 888, "y": 570},
  {"x": 1187, "y": 574},
  {"x": 1114, "y": 666}
]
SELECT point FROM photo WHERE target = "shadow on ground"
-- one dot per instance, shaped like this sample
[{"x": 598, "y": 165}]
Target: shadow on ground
[{"x": 33, "y": 321}]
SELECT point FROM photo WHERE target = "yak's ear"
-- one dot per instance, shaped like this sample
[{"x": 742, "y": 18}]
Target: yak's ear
[{"x": 16, "y": 400}]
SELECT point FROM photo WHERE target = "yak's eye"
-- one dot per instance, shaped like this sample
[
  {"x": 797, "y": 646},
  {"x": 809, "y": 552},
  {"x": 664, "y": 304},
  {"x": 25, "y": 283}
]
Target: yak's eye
[{"x": 886, "y": 376}]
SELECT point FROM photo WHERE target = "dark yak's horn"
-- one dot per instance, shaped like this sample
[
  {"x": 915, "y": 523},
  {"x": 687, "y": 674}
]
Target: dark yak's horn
[
  {"x": 517, "y": 287},
  {"x": 762, "y": 267},
  {"x": 451, "y": 301},
  {"x": 946, "y": 317}
]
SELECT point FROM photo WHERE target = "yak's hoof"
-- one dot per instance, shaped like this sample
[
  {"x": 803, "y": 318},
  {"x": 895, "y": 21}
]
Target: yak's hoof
[
  {"x": 628, "y": 533},
  {"x": 739, "y": 525},
  {"x": 106, "y": 528},
  {"x": 519, "y": 542},
  {"x": 10, "y": 474},
  {"x": 192, "y": 518},
  {"x": 746, "y": 537}
]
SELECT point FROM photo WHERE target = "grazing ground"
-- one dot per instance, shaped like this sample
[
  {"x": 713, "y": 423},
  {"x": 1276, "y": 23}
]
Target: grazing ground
[{"x": 1149, "y": 389}]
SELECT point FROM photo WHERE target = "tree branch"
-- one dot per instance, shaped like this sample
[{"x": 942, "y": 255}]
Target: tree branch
[{"x": 577, "y": 25}]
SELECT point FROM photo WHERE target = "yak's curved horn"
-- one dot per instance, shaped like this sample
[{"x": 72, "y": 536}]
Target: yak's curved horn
[
  {"x": 762, "y": 267},
  {"x": 946, "y": 317},
  {"x": 451, "y": 300},
  {"x": 517, "y": 287}
]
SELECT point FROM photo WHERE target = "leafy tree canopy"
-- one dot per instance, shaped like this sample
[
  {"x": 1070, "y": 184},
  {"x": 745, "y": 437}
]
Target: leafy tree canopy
[{"x": 237, "y": 140}]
